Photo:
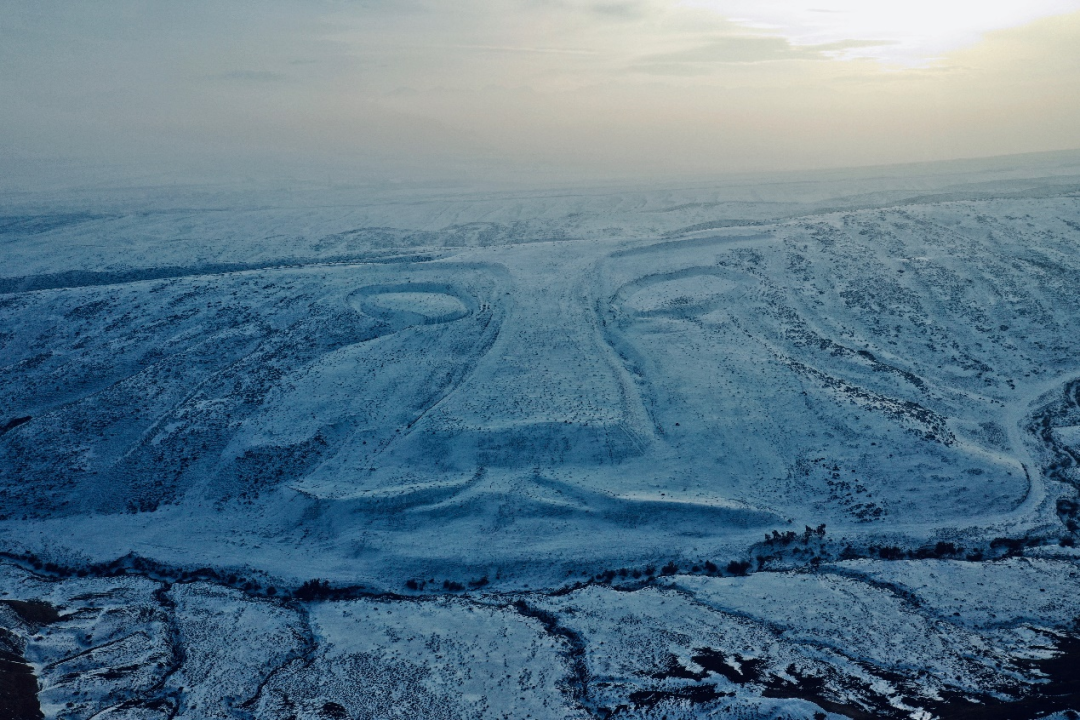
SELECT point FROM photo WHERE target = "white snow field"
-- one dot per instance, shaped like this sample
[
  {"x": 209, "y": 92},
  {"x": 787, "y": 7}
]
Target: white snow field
[{"x": 797, "y": 446}]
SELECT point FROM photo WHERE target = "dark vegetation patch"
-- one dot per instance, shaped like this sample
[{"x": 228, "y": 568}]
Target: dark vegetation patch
[
  {"x": 18, "y": 685},
  {"x": 1059, "y": 693},
  {"x": 35, "y": 612},
  {"x": 14, "y": 423},
  {"x": 713, "y": 661},
  {"x": 265, "y": 467},
  {"x": 1063, "y": 459},
  {"x": 691, "y": 693},
  {"x": 742, "y": 670},
  {"x": 18, "y": 688},
  {"x": 38, "y": 224},
  {"x": 812, "y": 689},
  {"x": 90, "y": 278},
  {"x": 577, "y": 685},
  {"x": 317, "y": 589},
  {"x": 334, "y": 710}
]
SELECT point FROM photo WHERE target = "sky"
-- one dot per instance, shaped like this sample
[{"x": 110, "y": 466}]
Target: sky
[{"x": 413, "y": 89}]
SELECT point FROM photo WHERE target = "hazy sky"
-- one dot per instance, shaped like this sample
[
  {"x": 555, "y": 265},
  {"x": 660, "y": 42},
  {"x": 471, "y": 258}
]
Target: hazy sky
[{"x": 416, "y": 88}]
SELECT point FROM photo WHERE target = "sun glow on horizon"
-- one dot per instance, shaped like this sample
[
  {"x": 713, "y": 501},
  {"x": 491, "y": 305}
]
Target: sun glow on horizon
[{"x": 909, "y": 33}]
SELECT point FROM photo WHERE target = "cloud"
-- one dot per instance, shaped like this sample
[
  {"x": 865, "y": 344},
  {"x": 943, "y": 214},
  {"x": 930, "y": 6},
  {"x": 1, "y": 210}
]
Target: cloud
[
  {"x": 620, "y": 9},
  {"x": 252, "y": 76},
  {"x": 742, "y": 49},
  {"x": 524, "y": 49},
  {"x": 919, "y": 31},
  {"x": 850, "y": 45}
]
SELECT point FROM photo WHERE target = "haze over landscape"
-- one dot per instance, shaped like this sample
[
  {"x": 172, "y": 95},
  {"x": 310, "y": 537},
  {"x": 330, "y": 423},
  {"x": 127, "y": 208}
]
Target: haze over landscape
[
  {"x": 539, "y": 359},
  {"x": 555, "y": 90}
]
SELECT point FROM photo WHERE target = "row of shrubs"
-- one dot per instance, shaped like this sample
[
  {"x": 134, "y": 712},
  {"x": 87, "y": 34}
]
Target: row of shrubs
[
  {"x": 319, "y": 589},
  {"x": 450, "y": 585},
  {"x": 998, "y": 548},
  {"x": 735, "y": 567},
  {"x": 132, "y": 564}
]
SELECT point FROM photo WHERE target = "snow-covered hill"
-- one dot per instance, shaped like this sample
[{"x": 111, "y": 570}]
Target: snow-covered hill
[{"x": 765, "y": 448}]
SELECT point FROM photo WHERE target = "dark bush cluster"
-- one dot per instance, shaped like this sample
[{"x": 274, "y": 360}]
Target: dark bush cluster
[
  {"x": 789, "y": 536},
  {"x": 1012, "y": 547},
  {"x": 888, "y": 552},
  {"x": 849, "y": 553},
  {"x": 417, "y": 585},
  {"x": 314, "y": 589},
  {"x": 780, "y": 538},
  {"x": 1068, "y": 510},
  {"x": 738, "y": 567},
  {"x": 941, "y": 549}
]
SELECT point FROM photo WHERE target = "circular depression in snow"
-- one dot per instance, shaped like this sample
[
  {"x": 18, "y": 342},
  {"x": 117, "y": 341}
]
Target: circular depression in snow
[
  {"x": 402, "y": 306},
  {"x": 433, "y": 307},
  {"x": 696, "y": 292}
]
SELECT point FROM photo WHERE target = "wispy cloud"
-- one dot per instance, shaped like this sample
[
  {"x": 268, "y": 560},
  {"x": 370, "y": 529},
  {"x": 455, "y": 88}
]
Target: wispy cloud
[
  {"x": 741, "y": 49},
  {"x": 251, "y": 76},
  {"x": 524, "y": 49},
  {"x": 735, "y": 49}
]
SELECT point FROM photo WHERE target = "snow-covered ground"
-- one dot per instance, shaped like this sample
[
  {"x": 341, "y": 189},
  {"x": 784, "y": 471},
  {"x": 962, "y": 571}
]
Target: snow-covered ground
[{"x": 762, "y": 448}]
